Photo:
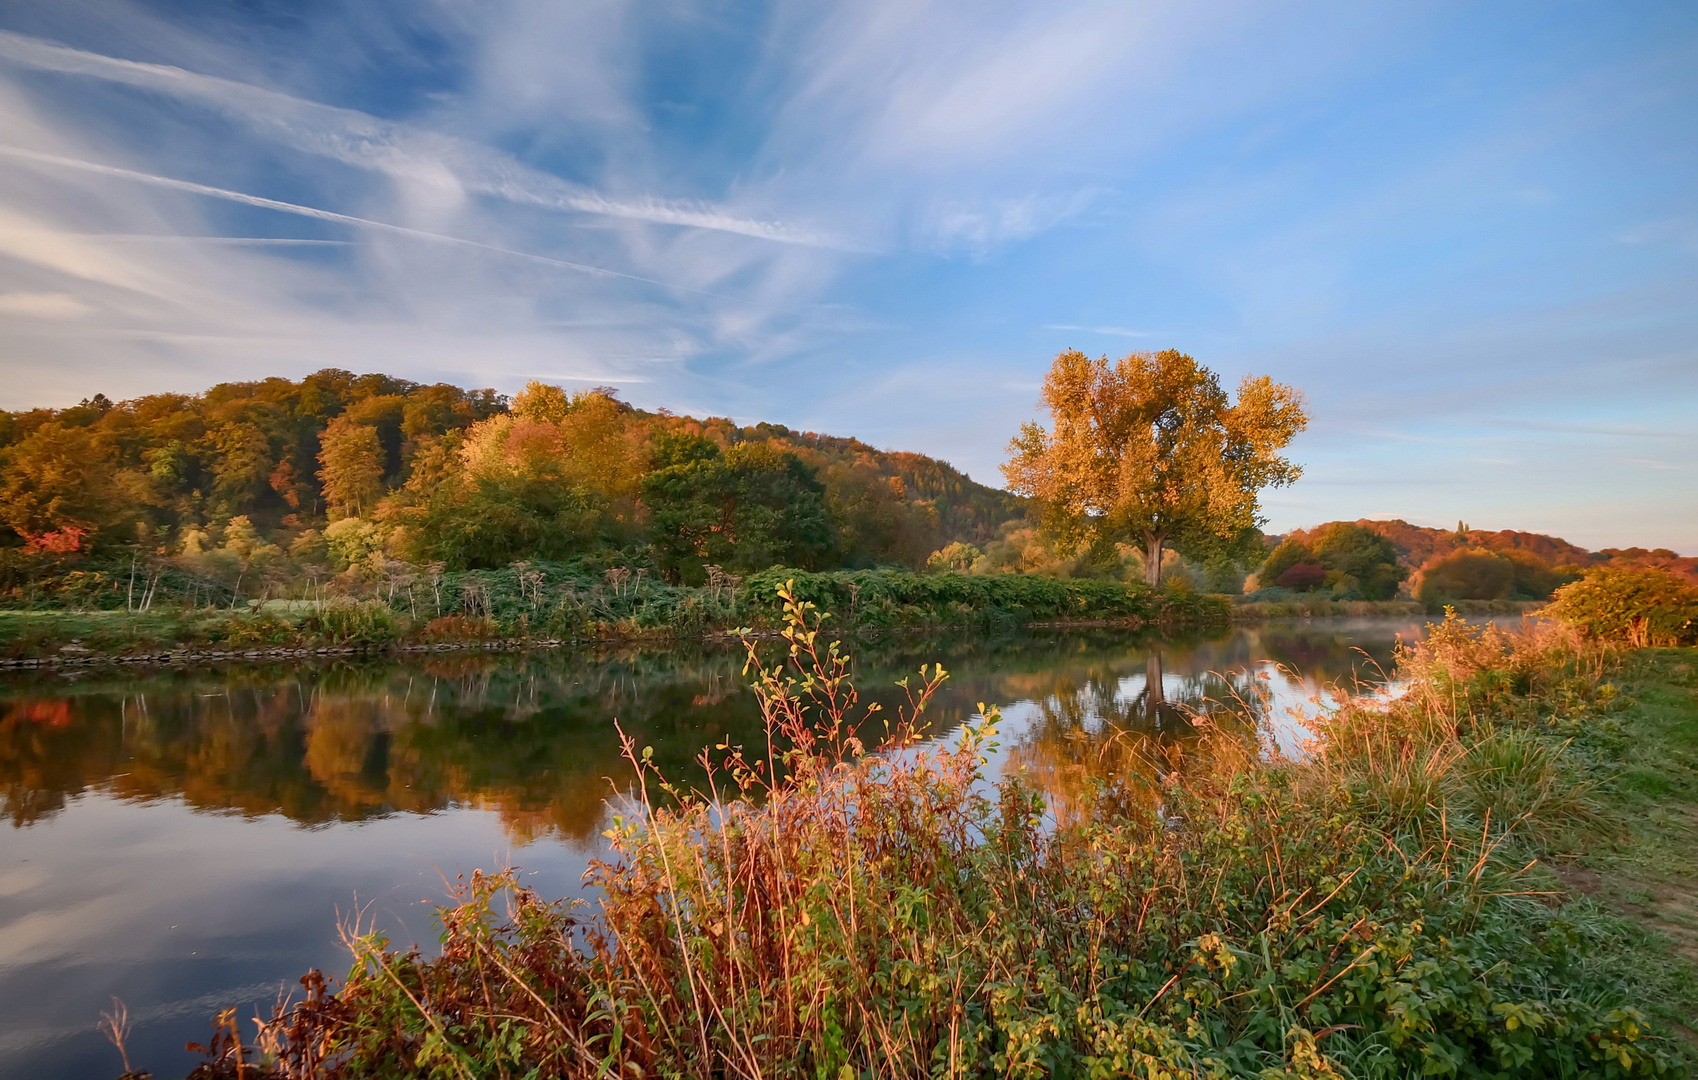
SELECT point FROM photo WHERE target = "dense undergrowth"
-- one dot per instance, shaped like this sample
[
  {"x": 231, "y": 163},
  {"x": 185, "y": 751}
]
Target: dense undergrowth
[
  {"x": 848, "y": 901},
  {"x": 566, "y": 601}
]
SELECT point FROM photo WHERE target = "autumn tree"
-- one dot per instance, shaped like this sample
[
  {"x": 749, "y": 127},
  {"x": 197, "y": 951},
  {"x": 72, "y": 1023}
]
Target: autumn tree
[
  {"x": 1151, "y": 449},
  {"x": 58, "y": 478},
  {"x": 352, "y": 458},
  {"x": 1467, "y": 574}
]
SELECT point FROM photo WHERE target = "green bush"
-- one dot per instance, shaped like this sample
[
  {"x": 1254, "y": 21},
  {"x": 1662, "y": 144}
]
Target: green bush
[
  {"x": 356, "y": 622},
  {"x": 1635, "y": 607}
]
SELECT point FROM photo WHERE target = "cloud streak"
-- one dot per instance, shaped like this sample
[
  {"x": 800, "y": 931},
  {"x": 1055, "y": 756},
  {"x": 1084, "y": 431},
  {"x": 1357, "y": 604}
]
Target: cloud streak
[
  {"x": 398, "y": 150},
  {"x": 316, "y": 214}
]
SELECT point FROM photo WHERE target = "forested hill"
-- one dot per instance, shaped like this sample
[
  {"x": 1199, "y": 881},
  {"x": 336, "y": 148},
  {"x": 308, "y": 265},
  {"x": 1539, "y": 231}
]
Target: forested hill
[
  {"x": 1419, "y": 546},
  {"x": 467, "y": 477}
]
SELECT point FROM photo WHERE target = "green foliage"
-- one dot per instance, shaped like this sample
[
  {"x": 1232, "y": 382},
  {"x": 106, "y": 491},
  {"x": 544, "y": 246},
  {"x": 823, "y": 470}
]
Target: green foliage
[
  {"x": 892, "y": 598},
  {"x": 958, "y": 557},
  {"x": 746, "y": 508},
  {"x": 1346, "y": 560},
  {"x": 1288, "y": 554},
  {"x": 490, "y": 522},
  {"x": 1635, "y": 607},
  {"x": 119, "y": 632},
  {"x": 351, "y": 542},
  {"x": 351, "y": 622},
  {"x": 1361, "y": 564}
]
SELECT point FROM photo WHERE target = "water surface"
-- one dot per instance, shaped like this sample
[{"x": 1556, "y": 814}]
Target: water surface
[{"x": 189, "y": 840}]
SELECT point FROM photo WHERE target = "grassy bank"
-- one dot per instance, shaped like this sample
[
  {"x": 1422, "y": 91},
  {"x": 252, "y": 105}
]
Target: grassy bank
[
  {"x": 1643, "y": 762},
  {"x": 1380, "y": 908},
  {"x": 534, "y": 603}
]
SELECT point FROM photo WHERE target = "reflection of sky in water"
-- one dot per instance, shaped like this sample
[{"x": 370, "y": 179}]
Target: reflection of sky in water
[{"x": 185, "y": 842}]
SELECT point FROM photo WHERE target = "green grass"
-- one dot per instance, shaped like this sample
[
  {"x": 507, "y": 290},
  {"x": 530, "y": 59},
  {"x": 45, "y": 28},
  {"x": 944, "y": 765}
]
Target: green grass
[{"x": 1644, "y": 757}]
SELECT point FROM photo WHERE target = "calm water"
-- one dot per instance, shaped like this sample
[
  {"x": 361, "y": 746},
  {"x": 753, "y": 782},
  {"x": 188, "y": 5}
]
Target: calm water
[{"x": 185, "y": 841}]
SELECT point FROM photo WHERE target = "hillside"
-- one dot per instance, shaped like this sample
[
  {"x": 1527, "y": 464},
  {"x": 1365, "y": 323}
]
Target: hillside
[
  {"x": 336, "y": 467},
  {"x": 1419, "y": 546}
]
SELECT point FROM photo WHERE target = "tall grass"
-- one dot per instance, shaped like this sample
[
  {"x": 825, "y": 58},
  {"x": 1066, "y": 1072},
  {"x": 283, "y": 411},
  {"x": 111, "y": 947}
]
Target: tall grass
[{"x": 850, "y": 900}]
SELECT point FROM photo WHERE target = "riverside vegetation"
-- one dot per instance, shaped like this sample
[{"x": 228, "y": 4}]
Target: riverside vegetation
[
  {"x": 849, "y": 900},
  {"x": 352, "y": 511},
  {"x": 531, "y": 603}
]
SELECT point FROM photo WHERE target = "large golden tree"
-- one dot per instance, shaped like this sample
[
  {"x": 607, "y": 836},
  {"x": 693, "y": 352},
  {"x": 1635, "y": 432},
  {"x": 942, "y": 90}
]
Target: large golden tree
[{"x": 1150, "y": 448}]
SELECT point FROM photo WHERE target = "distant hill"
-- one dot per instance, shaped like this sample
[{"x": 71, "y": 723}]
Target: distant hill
[
  {"x": 438, "y": 472},
  {"x": 1418, "y": 545}
]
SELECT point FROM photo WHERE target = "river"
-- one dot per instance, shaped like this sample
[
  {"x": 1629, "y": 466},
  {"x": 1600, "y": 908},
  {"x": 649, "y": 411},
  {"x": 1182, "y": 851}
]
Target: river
[{"x": 185, "y": 841}]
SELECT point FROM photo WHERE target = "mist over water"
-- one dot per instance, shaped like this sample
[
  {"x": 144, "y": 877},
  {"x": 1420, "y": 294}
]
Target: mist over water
[{"x": 189, "y": 840}]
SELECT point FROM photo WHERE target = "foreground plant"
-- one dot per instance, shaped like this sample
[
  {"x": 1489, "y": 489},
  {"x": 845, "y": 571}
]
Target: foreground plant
[{"x": 836, "y": 904}]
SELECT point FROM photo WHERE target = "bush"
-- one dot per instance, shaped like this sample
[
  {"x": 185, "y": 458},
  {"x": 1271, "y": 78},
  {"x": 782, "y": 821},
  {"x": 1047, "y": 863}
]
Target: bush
[
  {"x": 1630, "y": 606},
  {"x": 1467, "y": 574},
  {"x": 1302, "y": 577},
  {"x": 460, "y": 628},
  {"x": 351, "y": 622}
]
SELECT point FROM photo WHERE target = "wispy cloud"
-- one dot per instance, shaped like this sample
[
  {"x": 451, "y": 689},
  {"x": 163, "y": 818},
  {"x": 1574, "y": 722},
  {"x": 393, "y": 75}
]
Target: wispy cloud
[
  {"x": 980, "y": 227},
  {"x": 42, "y": 305},
  {"x": 329, "y": 215},
  {"x": 399, "y": 150}
]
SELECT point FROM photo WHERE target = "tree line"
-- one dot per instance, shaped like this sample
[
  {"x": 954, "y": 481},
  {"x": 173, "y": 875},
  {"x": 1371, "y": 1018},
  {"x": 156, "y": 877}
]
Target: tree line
[{"x": 338, "y": 469}]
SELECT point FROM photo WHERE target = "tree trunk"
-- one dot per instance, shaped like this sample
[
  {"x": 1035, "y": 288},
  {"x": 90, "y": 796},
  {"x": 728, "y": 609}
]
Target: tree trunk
[
  {"x": 1152, "y": 560},
  {"x": 1152, "y": 681}
]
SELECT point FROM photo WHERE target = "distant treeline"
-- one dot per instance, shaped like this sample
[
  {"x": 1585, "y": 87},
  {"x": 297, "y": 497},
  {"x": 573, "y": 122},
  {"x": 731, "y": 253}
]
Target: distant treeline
[
  {"x": 1380, "y": 560},
  {"x": 279, "y": 479}
]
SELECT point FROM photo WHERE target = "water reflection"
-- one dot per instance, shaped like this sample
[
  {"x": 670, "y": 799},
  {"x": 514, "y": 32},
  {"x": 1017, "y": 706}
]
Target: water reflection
[{"x": 185, "y": 840}]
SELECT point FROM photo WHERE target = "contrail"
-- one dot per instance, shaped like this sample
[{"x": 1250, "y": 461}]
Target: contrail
[
  {"x": 331, "y": 215},
  {"x": 399, "y": 150}
]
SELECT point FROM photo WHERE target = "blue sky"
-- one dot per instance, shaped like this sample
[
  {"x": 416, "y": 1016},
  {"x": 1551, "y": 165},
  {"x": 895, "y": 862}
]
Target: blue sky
[{"x": 1469, "y": 233}]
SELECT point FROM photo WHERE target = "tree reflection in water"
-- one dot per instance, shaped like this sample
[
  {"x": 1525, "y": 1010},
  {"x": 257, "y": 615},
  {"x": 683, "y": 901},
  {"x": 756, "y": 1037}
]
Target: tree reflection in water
[{"x": 531, "y": 737}]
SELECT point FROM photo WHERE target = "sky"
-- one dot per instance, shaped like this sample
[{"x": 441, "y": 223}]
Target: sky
[{"x": 1469, "y": 233}]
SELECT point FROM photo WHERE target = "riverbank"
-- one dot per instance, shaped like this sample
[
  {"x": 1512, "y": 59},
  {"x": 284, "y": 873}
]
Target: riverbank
[
  {"x": 526, "y": 607},
  {"x": 1320, "y": 608},
  {"x": 548, "y": 606},
  {"x": 1374, "y": 908}
]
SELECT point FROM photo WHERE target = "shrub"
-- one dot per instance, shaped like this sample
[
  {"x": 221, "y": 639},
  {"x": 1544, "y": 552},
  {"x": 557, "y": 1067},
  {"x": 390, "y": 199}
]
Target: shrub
[
  {"x": 1467, "y": 574},
  {"x": 1302, "y": 577},
  {"x": 460, "y": 628},
  {"x": 1634, "y": 607},
  {"x": 1283, "y": 558},
  {"x": 362, "y": 622},
  {"x": 242, "y": 629}
]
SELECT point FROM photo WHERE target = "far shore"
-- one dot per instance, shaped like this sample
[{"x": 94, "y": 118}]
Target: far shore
[{"x": 57, "y": 639}]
